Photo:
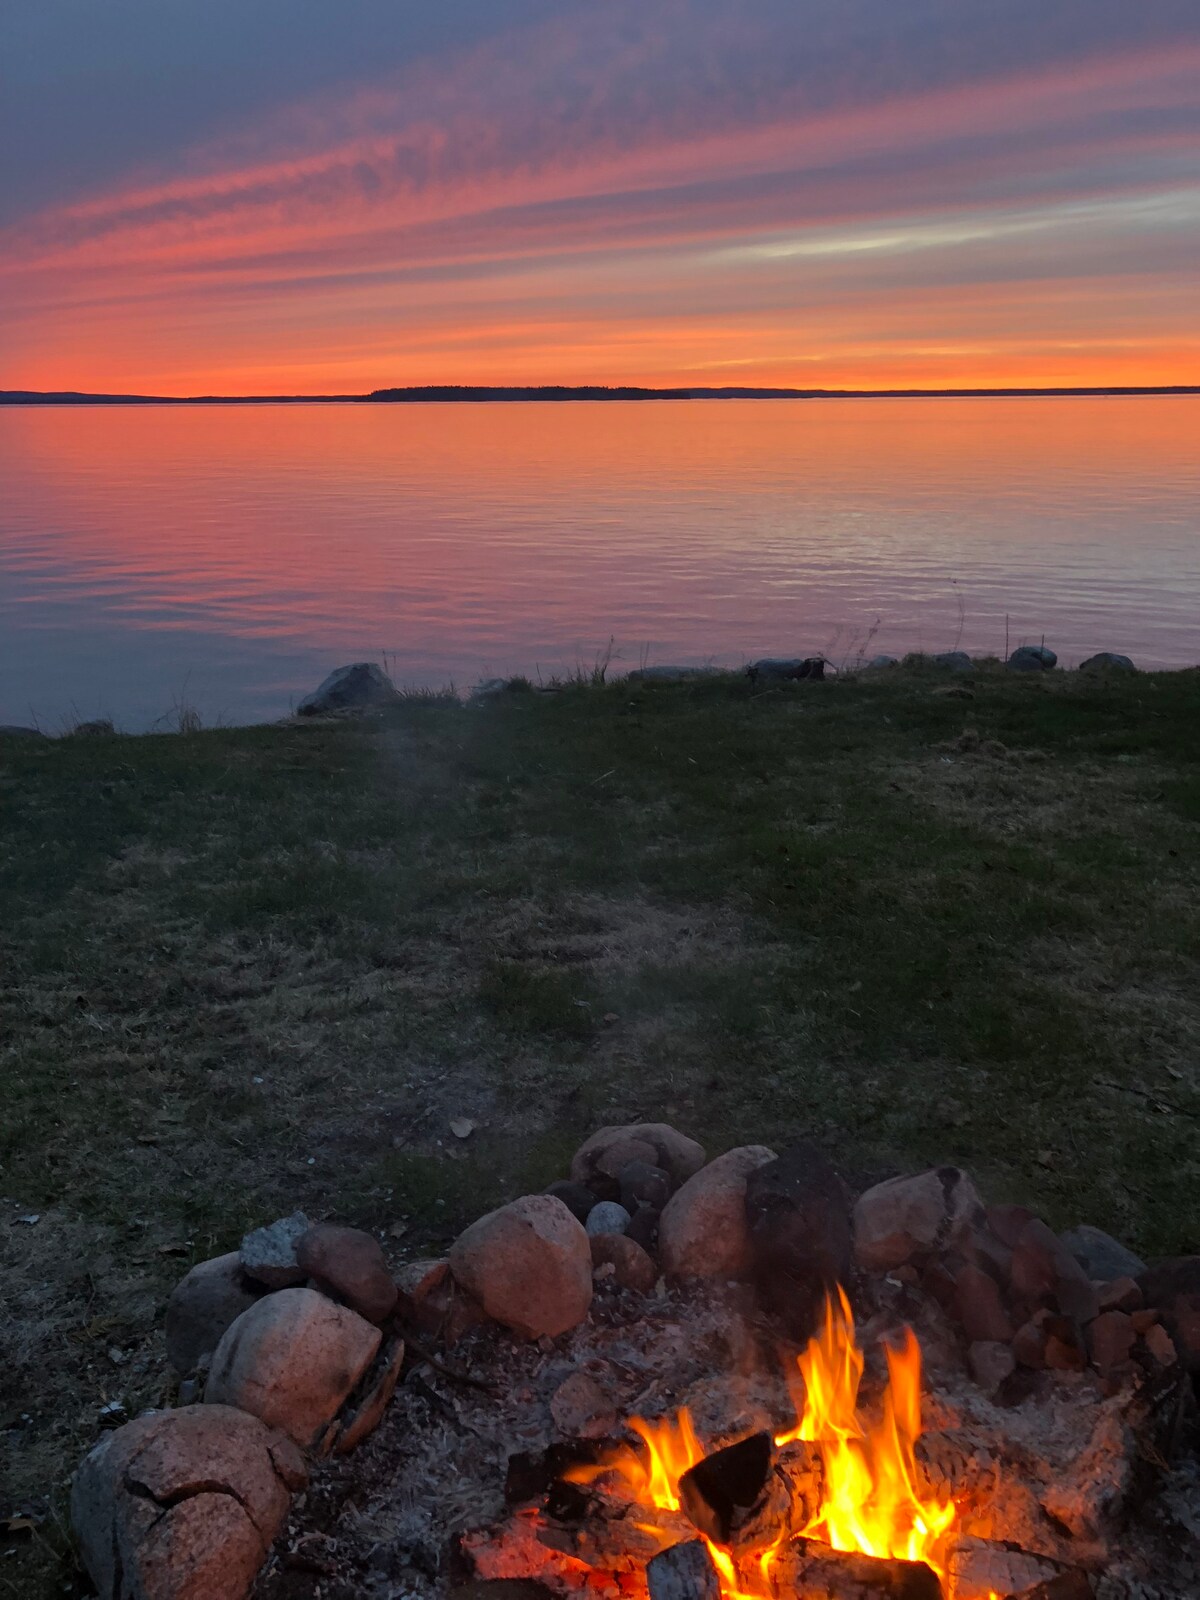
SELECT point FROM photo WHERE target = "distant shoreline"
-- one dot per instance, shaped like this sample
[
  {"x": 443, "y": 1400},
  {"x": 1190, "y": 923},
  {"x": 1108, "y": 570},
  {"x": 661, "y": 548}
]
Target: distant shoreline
[{"x": 441, "y": 394}]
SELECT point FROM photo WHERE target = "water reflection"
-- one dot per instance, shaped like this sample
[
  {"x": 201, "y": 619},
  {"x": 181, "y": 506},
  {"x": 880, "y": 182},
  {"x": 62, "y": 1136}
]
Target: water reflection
[{"x": 234, "y": 554}]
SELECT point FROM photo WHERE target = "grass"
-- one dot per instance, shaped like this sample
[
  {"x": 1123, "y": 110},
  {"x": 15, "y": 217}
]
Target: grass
[{"x": 244, "y": 970}]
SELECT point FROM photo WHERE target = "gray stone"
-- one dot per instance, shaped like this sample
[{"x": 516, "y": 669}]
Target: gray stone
[
  {"x": 363, "y": 684},
  {"x": 269, "y": 1254},
  {"x": 607, "y": 1217},
  {"x": 1107, "y": 661},
  {"x": 1101, "y": 1256},
  {"x": 293, "y": 1360},
  {"x": 183, "y": 1505},
  {"x": 1032, "y": 658},
  {"x": 202, "y": 1305},
  {"x": 789, "y": 670},
  {"x": 956, "y": 660},
  {"x": 15, "y": 731}
]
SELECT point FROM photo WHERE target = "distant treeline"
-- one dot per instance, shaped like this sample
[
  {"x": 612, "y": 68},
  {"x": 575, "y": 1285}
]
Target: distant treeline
[{"x": 443, "y": 392}]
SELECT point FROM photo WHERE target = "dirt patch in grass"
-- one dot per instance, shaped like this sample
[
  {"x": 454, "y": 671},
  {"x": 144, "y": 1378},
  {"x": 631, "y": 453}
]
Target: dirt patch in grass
[{"x": 256, "y": 969}]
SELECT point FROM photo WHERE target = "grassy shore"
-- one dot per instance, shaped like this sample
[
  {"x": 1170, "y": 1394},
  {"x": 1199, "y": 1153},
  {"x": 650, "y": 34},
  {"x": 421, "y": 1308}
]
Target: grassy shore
[{"x": 918, "y": 917}]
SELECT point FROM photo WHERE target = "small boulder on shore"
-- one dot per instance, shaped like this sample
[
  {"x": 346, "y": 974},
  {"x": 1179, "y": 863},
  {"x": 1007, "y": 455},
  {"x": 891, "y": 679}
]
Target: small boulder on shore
[
  {"x": 349, "y": 688},
  {"x": 1107, "y": 661},
  {"x": 1032, "y": 658}
]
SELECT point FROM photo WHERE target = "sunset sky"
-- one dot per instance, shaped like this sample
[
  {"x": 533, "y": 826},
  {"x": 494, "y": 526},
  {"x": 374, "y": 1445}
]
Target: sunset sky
[{"x": 307, "y": 196}]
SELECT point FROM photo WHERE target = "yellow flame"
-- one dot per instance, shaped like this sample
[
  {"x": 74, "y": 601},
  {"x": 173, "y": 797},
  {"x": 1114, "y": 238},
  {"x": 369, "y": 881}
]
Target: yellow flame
[{"x": 873, "y": 1503}]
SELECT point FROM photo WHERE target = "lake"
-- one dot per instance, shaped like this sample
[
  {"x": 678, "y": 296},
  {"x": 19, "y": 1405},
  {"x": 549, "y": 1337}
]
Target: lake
[{"x": 228, "y": 556}]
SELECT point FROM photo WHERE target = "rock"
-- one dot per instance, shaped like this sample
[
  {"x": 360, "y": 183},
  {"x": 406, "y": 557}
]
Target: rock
[
  {"x": 183, "y": 1505},
  {"x": 1032, "y": 658},
  {"x": 1029, "y": 1342},
  {"x": 644, "y": 1185},
  {"x": 980, "y": 1307},
  {"x": 956, "y": 660},
  {"x": 437, "y": 1305},
  {"x": 1122, "y": 1294},
  {"x": 366, "y": 1416},
  {"x": 269, "y": 1254},
  {"x": 1107, "y": 661},
  {"x": 1144, "y": 1320},
  {"x": 1111, "y": 1338},
  {"x": 798, "y": 1213},
  {"x": 202, "y": 1305},
  {"x": 1064, "y": 1354},
  {"x": 607, "y": 1217},
  {"x": 1165, "y": 1279},
  {"x": 789, "y": 671},
  {"x": 10, "y": 730},
  {"x": 350, "y": 1264},
  {"x": 632, "y": 1267},
  {"x": 904, "y": 1218},
  {"x": 577, "y": 1197},
  {"x": 529, "y": 1264},
  {"x": 363, "y": 684},
  {"x": 703, "y": 1232},
  {"x": 1100, "y": 1255},
  {"x": 1160, "y": 1345},
  {"x": 1185, "y": 1329},
  {"x": 643, "y": 1228},
  {"x": 292, "y": 1360},
  {"x": 1008, "y": 1223},
  {"x": 990, "y": 1361},
  {"x": 581, "y": 1409},
  {"x": 1045, "y": 1273},
  {"x": 98, "y": 728},
  {"x": 610, "y": 1150}
]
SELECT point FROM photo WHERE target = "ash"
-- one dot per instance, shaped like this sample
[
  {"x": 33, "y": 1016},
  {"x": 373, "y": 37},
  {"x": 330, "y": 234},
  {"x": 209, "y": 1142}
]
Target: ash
[{"x": 384, "y": 1524}]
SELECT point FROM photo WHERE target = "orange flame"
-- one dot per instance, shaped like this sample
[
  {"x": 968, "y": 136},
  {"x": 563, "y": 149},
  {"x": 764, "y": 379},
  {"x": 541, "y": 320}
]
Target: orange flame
[{"x": 873, "y": 1503}]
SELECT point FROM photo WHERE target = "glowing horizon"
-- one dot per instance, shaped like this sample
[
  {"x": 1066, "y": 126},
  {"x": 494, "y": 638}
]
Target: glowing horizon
[{"x": 531, "y": 192}]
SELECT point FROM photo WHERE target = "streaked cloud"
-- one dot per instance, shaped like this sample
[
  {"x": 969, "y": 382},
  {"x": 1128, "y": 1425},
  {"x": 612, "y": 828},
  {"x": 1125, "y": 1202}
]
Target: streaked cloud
[{"x": 560, "y": 191}]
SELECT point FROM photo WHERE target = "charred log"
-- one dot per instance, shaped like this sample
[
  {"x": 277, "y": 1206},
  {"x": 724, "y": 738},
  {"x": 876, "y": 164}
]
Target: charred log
[
  {"x": 684, "y": 1572},
  {"x": 980, "y": 1568},
  {"x": 727, "y": 1485}
]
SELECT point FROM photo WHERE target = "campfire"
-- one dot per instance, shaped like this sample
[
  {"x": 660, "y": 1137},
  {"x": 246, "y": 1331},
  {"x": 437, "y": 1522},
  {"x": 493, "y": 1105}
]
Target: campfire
[
  {"x": 855, "y": 1469},
  {"x": 837, "y": 1479}
]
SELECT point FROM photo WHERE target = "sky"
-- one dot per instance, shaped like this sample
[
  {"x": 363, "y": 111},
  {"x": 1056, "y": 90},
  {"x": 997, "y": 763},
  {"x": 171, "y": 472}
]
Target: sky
[{"x": 328, "y": 196}]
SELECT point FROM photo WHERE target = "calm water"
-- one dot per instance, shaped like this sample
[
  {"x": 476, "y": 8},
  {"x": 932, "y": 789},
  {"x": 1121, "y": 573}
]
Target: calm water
[{"x": 231, "y": 556}]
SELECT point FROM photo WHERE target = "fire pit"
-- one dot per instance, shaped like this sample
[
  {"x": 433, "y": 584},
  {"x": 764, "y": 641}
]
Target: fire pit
[{"x": 736, "y": 1382}]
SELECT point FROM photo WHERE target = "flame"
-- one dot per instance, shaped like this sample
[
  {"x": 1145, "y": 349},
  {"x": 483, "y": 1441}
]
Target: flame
[{"x": 873, "y": 1503}]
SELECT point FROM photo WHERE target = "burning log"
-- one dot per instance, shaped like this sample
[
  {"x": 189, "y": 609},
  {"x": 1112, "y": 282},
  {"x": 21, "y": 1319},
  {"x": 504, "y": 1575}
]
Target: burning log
[
  {"x": 819, "y": 1573},
  {"x": 684, "y": 1572}
]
